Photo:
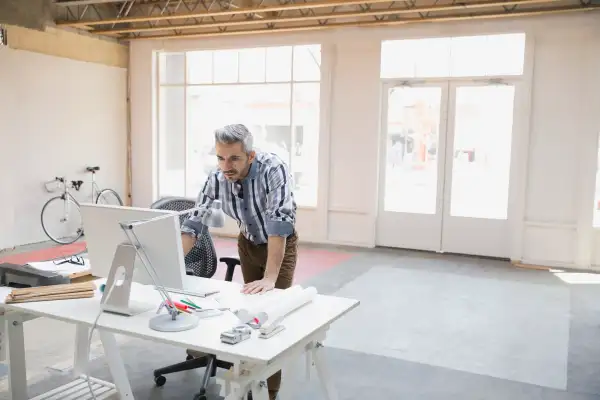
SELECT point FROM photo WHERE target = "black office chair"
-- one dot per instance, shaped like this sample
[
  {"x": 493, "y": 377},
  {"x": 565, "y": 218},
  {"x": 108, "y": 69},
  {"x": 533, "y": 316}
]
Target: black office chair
[{"x": 200, "y": 261}]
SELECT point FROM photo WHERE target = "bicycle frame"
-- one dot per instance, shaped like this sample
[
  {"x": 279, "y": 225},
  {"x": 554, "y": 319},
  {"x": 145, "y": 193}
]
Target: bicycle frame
[
  {"x": 95, "y": 188},
  {"x": 66, "y": 194}
]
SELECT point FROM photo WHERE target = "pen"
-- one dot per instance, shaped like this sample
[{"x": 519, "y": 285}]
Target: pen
[
  {"x": 189, "y": 303},
  {"x": 181, "y": 307},
  {"x": 178, "y": 306}
]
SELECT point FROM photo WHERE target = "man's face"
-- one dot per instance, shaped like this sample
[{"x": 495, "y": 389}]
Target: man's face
[{"x": 233, "y": 161}]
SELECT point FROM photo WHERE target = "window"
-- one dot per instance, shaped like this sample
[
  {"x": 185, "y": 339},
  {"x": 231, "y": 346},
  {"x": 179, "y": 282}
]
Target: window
[
  {"x": 274, "y": 91},
  {"x": 596, "y": 221},
  {"x": 466, "y": 56}
]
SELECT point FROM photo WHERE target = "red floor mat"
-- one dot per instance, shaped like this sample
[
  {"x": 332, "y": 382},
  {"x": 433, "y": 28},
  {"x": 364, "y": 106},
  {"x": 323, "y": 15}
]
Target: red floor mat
[
  {"x": 49, "y": 253},
  {"x": 311, "y": 262}
]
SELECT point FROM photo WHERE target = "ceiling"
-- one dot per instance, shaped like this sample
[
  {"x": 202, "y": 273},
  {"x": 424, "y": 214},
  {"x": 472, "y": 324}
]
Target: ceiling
[{"x": 168, "y": 19}]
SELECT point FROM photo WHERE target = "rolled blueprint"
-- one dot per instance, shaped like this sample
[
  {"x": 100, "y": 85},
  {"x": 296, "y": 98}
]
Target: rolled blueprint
[
  {"x": 261, "y": 302},
  {"x": 275, "y": 312}
]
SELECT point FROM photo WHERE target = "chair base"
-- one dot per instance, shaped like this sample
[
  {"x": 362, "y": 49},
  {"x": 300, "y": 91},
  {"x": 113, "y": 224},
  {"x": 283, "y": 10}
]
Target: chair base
[{"x": 209, "y": 361}]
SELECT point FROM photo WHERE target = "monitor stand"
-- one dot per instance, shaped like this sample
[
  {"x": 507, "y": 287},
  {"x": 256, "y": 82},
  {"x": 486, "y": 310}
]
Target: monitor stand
[{"x": 116, "y": 296}]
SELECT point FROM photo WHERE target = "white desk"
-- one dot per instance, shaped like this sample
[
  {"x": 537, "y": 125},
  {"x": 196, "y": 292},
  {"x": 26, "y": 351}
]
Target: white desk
[{"x": 253, "y": 360}]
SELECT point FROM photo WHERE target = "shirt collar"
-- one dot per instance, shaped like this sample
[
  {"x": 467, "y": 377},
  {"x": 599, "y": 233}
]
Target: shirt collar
[{"x": 252, "y": 172}]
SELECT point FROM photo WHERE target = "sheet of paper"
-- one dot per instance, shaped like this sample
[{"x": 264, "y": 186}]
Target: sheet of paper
[
  {"x": 237, "y": 300},
  {"x": 4, "y": 291},
  {"x": 63, "y": 269}
]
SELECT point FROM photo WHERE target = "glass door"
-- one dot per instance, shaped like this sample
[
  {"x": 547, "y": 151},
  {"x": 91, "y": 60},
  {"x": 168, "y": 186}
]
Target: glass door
[
  {"x": 413, "y": 141},
  {"x": 477, "y": 173},
  {"x": 445, "y": 172}
]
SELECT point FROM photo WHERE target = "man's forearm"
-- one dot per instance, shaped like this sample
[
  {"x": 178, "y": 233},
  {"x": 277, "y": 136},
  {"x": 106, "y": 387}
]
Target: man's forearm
[
  {"x": 188, "y": 241},
  {"x": 275, "y": 253}
]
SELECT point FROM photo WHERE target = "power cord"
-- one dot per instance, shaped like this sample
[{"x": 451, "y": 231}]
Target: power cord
[{"x": 89, "y": 344}]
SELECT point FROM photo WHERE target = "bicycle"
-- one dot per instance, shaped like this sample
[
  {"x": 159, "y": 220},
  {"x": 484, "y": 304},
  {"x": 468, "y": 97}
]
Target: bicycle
[{"x": 62, "y": 212}]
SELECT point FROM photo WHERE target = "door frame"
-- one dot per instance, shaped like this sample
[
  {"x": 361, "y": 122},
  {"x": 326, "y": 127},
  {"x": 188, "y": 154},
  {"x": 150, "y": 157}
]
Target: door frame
[
  {"x": 444, "y": 85},
  {"x": 499, "y": 240},
  {"x": 446, "y": 143}
]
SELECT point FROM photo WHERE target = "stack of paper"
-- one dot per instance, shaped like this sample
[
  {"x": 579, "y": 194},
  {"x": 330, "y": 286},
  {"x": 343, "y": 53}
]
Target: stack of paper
[
  {"x": 54, "y": 292},
  {"x": 64, "y": 269}
]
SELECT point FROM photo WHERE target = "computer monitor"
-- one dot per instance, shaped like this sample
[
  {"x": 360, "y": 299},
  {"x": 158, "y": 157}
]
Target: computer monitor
[{"x": 161, "y": 239}]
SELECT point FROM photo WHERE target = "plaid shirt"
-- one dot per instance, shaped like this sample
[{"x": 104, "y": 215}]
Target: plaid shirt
[{"x": 262, "y": 203}]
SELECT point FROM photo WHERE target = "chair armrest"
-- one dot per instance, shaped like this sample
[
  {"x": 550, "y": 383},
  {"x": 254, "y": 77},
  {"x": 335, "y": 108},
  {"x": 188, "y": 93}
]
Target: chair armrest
[{"x": 231, "y": 262}]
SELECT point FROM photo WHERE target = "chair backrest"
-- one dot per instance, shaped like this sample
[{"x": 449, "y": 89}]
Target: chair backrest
[{"x": 202, "y": 259}]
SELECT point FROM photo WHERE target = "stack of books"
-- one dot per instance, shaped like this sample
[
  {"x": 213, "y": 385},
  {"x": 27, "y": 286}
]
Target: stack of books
[{"x": 53, "y": 292}]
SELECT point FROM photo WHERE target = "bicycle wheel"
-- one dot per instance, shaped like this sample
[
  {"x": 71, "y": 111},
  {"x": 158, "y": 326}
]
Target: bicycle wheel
[
  {"x": 60, "y": 227},
  {"x": 110, "y": 197}
]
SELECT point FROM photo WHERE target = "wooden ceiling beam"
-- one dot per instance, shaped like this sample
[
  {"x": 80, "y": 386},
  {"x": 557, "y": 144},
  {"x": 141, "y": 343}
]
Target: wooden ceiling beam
[
  {"x": 335, "y": 25},
  {"x": 71, "y": 3},
  {"x": 221, "y": 13},
  {"x": 338, "y": 15}
]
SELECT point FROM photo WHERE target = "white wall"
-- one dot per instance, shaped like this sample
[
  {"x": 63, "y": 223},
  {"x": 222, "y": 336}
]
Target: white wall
[
  {"x": 558, "y": 132},
  {"x": 563, "y": 146},
  {"x": 57, "y": 116}
]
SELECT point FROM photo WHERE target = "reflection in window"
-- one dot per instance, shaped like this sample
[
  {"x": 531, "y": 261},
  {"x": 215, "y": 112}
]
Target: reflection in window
[
  {"x": 467, "y": 56},
  {"x": 274, "y": 91},
  {"x": 483, "y": 126},
  {"x": 413, "y": 123}
]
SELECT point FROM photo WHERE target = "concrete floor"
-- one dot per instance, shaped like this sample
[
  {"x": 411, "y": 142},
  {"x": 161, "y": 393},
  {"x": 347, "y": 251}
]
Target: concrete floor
[{"x": 429, "y": 327}]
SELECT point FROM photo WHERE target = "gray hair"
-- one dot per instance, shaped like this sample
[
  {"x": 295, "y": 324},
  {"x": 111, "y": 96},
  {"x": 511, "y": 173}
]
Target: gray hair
[{"x": 236, "y": 133}]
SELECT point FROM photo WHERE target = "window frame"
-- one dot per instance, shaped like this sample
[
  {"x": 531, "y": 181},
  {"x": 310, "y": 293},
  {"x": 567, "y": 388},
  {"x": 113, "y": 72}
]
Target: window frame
[{"x": 186, "y": 85}]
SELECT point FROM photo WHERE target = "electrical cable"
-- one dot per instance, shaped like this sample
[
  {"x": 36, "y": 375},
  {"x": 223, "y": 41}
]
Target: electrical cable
[{"x": 95, "y": 324}]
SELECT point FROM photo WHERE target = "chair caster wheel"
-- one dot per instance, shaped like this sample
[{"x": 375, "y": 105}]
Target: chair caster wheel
[
  {"x": 160, "y": 380},
  {"x": 200, "y": 397}
]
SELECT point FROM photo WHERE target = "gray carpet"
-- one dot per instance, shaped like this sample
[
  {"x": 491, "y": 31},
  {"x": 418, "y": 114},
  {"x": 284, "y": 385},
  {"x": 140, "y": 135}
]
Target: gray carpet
[
  {"x": 357, "y": 376},
  {"x": 429, "y": 327}
]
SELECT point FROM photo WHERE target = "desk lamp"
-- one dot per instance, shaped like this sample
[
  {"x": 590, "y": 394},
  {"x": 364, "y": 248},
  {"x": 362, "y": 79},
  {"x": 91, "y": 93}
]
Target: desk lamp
[{"x": 173, "y": 321}]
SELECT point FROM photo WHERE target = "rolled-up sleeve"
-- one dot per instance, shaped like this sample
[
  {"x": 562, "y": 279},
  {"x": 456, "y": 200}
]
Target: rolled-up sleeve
[
  {"x": 193, "y": 224},
  {"x": 281, "y": 210}
]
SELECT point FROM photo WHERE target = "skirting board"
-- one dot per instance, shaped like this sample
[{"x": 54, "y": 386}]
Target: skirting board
[{"x": 530, "y": 266}]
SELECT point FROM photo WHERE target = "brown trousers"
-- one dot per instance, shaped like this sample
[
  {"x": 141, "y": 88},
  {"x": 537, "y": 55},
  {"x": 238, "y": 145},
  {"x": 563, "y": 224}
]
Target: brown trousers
[{"x": 254, "y": 259}]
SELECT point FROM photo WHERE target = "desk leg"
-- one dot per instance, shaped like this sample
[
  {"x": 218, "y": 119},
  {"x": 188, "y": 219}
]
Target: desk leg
[
  {"x": 323, "y": 372},
  {"x": 309, "y": 364},
  {"x": 115, "y": 364},
  {"x": 82, "y": 350},
  {"x": 3, "y": 337},
  {"x": 17, "y": 370}
]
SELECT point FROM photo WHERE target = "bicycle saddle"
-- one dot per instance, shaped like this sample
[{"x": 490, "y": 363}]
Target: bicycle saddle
[{"x": 92, "y": 169}]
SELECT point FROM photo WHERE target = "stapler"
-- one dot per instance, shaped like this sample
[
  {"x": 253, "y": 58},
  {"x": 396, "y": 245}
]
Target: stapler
[
  {"x": 19, "y": 276},
  {"x": 236, "y": 334}
]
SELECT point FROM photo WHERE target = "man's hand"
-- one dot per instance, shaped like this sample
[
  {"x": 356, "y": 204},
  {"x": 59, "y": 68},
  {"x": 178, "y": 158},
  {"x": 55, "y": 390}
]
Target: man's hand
[{"x": 260, "y": 286}]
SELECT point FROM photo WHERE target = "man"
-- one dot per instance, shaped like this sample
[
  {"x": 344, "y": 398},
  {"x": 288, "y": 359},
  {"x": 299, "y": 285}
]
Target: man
[{"x": 255, "y": 190}]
